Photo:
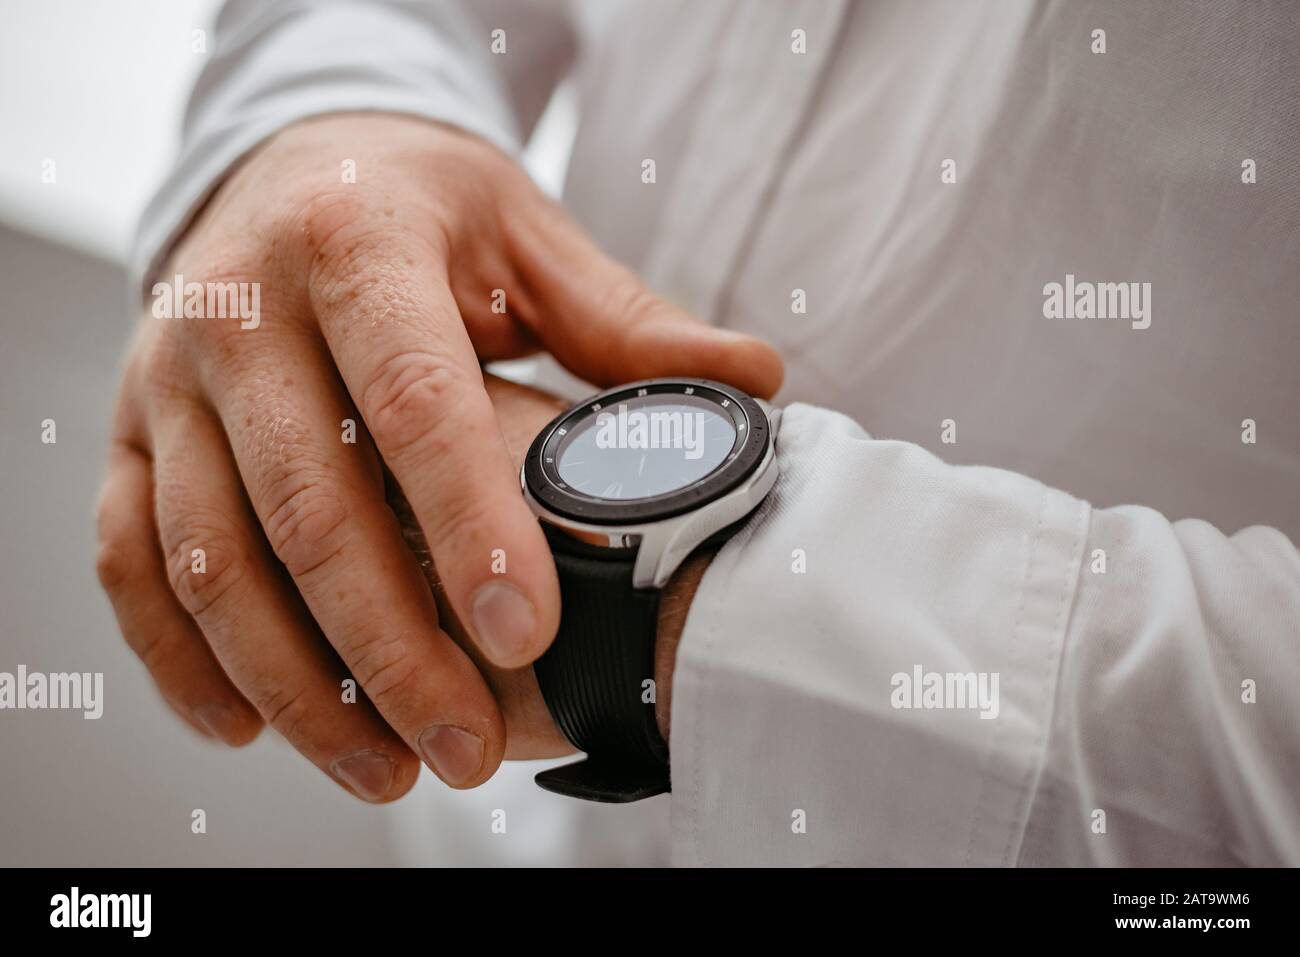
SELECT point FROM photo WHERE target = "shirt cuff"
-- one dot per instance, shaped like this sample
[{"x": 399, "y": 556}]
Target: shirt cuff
[{"x": 798, "y": 737}]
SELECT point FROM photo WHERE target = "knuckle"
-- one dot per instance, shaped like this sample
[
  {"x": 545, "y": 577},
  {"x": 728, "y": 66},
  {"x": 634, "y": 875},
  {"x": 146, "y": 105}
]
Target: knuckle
[
  {"x": 639, "y": 310},
  {"x": 464, "y": 521},
  {"x": 113, "y": 565},
  {"x": 383, "y": 666},
  {"x": 285, "y": 710},
  {"x": 303, "y": 510},
  {"x": 407, "y": 401},
  {"x": 306, "y": 524},
  {"x": 358, "y": 259},
  {"x": 221, "y": 302},
  {"x": 324, "y": 213},
  {"x": 344, "y": 236},
  {"x": 113, "y": 557},
  {"x": 635, "y": 302},
  {"x": 204, "y": 565},
  {"x": 152, "y": 652},
  {"x": 162, "y": 366}
]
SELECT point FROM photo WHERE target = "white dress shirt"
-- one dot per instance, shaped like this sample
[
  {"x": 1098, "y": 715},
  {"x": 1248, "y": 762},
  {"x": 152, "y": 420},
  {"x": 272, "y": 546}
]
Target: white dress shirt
[{"x": 917, "y": 175}]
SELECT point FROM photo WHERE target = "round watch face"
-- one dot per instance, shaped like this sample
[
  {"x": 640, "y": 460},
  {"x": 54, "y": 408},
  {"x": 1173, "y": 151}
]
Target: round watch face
[
  {"x": 646, "y": 451},
  {"x": 644, "y": 446}
]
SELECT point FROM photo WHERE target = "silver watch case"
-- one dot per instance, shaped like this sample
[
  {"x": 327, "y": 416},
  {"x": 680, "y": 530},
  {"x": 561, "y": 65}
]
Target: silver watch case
[{"x": 663, "y": 543}]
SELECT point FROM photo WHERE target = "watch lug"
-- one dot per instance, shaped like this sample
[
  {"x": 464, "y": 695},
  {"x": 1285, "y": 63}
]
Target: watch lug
[
  {"x": 665, "y": 546},
  {"x": 653, "y": 565}
]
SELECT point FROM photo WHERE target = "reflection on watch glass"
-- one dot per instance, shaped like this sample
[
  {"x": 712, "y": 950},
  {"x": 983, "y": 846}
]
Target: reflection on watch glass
[{"x": 645, "y": 446}]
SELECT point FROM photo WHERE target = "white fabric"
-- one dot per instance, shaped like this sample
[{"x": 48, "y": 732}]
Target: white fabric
[{"x": 1120, "y": 692}]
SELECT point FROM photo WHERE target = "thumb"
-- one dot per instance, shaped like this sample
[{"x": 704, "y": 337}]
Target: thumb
[{"x": 602, "y": 324}]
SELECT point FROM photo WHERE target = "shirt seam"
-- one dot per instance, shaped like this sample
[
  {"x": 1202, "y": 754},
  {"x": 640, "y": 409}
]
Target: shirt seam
[
  {"x": 991, "y": 755},
  {"x": 1060, "y": 628}
]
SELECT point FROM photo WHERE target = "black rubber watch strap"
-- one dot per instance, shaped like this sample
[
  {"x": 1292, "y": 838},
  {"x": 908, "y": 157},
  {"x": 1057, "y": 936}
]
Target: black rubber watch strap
[{"x": 594, "y": 676}]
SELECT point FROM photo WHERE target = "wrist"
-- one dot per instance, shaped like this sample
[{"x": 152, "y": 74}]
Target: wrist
[{"x": 674, "y": 605}]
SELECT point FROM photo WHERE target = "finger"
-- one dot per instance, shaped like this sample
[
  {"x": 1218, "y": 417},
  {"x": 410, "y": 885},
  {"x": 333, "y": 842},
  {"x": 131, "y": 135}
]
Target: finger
[
  {"x": 604, "y": 325},
  {"x": 408, "y": 363},
  {"x": 152, "y": 621},
  {"x": 225, "y": 577},
  {"x": 320, "y": 500}
]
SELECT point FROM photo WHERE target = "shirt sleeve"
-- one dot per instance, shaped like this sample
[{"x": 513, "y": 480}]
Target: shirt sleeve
[
  {"x": 278, "y": 62},
  {"x": 903, "y": 662}
]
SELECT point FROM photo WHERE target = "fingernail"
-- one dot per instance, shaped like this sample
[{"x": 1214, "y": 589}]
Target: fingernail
[
  {"x": 503, "y": 621},
  {"x": 368, "y": 773},
  {"x": 454, "y": 753},
  {"x": 219, "y": 721}
]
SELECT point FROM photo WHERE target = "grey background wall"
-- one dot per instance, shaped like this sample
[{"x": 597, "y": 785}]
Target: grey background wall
[
  {"x": 99, "y": 89},
  {"x": 118, "y": 790}
]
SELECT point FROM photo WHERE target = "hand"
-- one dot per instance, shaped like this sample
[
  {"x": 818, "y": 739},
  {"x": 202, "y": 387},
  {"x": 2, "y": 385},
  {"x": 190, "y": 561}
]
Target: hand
[
  {"x": 522, "y": 413},
  {"x": 247, "y": 548}
]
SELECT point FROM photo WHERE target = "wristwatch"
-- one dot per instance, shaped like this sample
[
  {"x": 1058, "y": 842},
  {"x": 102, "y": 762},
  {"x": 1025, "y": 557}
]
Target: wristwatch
[{"x": 627, "y": 484}]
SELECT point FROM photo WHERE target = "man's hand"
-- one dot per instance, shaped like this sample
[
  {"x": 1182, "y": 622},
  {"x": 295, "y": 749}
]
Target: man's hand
[
  {"x": 522, "y": 412},
  {"x": 246, "y": 544}
]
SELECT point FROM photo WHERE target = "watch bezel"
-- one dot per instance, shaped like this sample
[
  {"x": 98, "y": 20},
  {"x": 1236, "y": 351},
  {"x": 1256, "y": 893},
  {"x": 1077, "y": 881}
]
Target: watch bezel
[{"x": 545, "y": 484}]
